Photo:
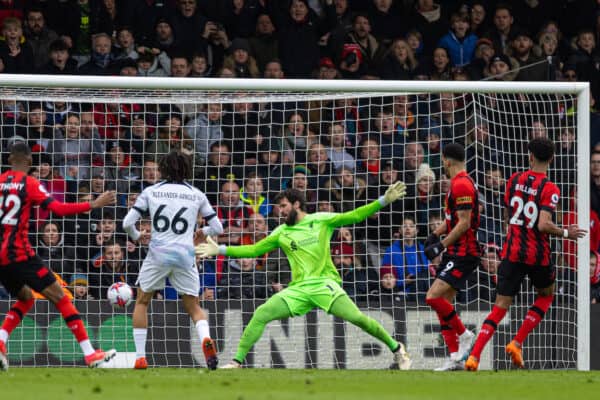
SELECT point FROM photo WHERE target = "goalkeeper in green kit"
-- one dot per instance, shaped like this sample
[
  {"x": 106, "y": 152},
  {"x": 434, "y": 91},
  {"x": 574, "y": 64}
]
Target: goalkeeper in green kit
[{"x": 315, "y": 280}]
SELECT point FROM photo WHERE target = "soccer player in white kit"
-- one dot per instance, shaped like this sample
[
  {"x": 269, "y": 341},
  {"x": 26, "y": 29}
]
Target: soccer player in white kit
[{"x": 173, "y": 205}]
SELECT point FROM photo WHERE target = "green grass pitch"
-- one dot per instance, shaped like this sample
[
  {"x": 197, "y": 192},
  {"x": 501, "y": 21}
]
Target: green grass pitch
[{"x": 278, "y": 384}]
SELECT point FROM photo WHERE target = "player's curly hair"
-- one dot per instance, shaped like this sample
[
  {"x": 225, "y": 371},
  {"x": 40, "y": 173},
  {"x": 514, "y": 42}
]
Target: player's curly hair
[
  {"x": 454, "y": 151},
  {"x": 292, "y": 195},
  {"x": 175, "y": 166},
  {"x": 542, "y": 148}
]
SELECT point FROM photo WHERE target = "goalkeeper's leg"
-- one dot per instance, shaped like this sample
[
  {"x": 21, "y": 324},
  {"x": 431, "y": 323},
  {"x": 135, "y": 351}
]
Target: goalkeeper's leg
[
  {"x": 344, "y": 308},
  {"x": 272, "y": 309}
]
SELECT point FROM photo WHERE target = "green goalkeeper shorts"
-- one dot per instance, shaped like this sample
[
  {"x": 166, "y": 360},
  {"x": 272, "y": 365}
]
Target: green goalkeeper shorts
[{"x": 304, "y": 296}]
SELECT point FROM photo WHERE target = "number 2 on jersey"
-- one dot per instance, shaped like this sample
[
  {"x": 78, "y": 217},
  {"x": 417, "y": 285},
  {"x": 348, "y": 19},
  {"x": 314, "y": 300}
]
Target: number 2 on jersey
[
  {"x": 8, "y": 218},
  {"x": 161, "y": 223},
  {"x": 529, "y": 211}
]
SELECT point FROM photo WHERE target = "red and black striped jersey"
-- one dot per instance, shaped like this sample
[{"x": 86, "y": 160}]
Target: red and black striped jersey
[
  {"x": 18, "y": 194},
  {"x": 527, "y": 194},
  {"x": 463, "y": 195}
]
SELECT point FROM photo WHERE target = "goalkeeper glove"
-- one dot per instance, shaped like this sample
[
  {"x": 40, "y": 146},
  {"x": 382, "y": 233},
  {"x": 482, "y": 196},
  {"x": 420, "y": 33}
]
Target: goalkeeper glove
[
  {"x": 395, "y": 192},
  {"x": 431, "y": 239},
  {"x": 208, "y": 249},
  {"x": 434, "y": 250}
]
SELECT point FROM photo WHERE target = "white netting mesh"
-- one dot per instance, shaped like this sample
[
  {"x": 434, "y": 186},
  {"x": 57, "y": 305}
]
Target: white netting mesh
[{"x": 343, "y": 150}]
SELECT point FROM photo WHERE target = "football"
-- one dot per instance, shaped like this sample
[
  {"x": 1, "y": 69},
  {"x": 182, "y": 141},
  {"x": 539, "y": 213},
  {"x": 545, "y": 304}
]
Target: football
[{"x": 120, "y": 294}]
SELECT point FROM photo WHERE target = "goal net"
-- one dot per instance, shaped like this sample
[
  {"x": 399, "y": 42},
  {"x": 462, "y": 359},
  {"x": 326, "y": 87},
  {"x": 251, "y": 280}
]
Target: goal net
[{"x": 342, "y": 144}]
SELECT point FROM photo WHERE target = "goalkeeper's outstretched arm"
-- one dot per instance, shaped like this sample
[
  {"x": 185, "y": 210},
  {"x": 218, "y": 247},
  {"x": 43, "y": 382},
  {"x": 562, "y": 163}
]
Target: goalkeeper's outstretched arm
[
  {"x": 212, "y": 248},
  {"x": 395, "y": 192}
]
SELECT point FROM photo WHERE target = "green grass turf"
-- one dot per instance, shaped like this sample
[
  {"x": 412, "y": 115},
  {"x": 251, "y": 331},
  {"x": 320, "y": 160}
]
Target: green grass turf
[{"x": 278, "y": 384}]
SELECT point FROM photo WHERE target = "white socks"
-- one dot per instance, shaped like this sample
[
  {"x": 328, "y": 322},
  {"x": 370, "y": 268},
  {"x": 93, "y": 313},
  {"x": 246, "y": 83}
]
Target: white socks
[
  {"x": 202, "y": 329},
  {"x": 3, "y": 335},
  {"x": 86, "y": 347},
  {"x": 139, "y": 337}
]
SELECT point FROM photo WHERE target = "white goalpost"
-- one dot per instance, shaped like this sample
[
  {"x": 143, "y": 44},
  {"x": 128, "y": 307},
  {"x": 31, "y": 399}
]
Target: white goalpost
[{"x": 339, "y": 141}]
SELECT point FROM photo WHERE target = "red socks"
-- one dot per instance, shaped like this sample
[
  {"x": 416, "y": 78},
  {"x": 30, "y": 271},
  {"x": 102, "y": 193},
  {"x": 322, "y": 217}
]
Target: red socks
[
  {"x": 487, "y": 330},
  {"x": 447, "y": 314},
  {"x": 534, "y": 317},
  {"x": 16, "y": 314},
  {"x": 450, "y": 337},
  {"x": 72, "y": 318}
]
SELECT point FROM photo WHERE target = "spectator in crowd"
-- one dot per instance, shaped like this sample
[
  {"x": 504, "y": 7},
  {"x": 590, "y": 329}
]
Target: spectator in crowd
[
  {"x": 16, "y": 52},
  {"x": 125, "y": 47},
  {"x": 441, "y": 67},
  {"x": 79, "y": 286},
  {"x": 521, "y": 48},
  {"x": 595, "y": 181},
  {"x": 264, "y": 45},
  {"x": 387, "y": 21},
  {"x": 481, "y": 285},
  {"x": 399, "y": 63},
  {"x": 390, "y": 138},
  {"x": 595, "y": 277},
  {"x": 369, "y": 162},
  {"x": 336, "y": 151},
  {"x": 347, "y": 190},
  {"x": 270, "y": 165},
  {"x": 243, "y": 278},
  {"x": 299, "y": 30},
  {"x": 300, "y": 181},
  {"x": 109, "y": 268},
  {"x": 59, "y": 257},
  {"x": 218, "y": 168},
  {"x": 587, "y": 60},
  {"x": 39, "y": 36},
  {"x": 484, "y": 51},
  {"x": 101, "y": 62},
  {"x": 327, "y": 69},
  {"x": 240, "y": 60},
  {"x": 565, "y": 159},
  {"x": 479, "y": 22},
  {"x": 548, "y": 47},
  {"x": 296, "y": 139},
  {"x": 500, "y": 33},
  {"x": 119, "y": 168},
  {"x": 37, "y": 134},
  {"x": 459, "y": 41},
  {"x": 414, "y": 156},
  {"x": 569, "y": 248},
  {"x": 357, "y": 279},
  {"x": 51, "y": 180},
  {"x": 388, "y": 282},
  {"x": 319, "y": 166},
  {"x": 405, "y": 121},
  {"x": 72, "y": 152},
  {"x": 172, "y": 136},
  {"x": 430, "y": 19},
  {"x": 180, "y": 66},
  {"x": 138, "y": 249},
  {"x": 273, "y": 70},
  {"x": 199, "y": 66},
  {"x": 426, "y": 198},
  {"x": 78, "y": 230},
  {"x": 161, "y": 41},
  {"x": 361, "y": 51},
  {"x": 502, "y": 68},
  {"x": 252, "y": 194},
  {"x": 205, "y": 129},
  {"x": 232, "y": 213},
  {"x": 483, "y": 150},
  {"x": 190, "y": 26},
  {"x": 415, "y": 42},
  {"x": 60, "y": 61},
  {"x": 408, "y": 260}
]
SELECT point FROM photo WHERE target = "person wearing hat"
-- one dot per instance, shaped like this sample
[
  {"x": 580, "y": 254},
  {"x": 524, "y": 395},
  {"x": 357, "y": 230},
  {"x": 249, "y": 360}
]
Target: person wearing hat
[
  {"x": 240, "y": 60},
  {"x": 148, "y": 65},
  {"x": 327, "y": 69},
  {"x": 80, "y": 287},
  {"x": 484, "y": 51},
  {"x": 264, "y": 44},
  {"x": 427, "y": 198},
  {"x": 521, "y": 46},
  {"x": 502, "y": 68}
]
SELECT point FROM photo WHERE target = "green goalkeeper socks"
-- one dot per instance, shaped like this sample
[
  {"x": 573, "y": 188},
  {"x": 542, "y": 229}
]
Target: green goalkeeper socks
[
  {"x": 343, "y": 307},
  {"x": 272, "y": 309}
]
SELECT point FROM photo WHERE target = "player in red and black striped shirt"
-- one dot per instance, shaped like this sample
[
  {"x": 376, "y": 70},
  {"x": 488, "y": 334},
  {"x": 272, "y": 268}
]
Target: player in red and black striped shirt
[
  {"x": 530, "y": 200},
  {"x": 461, "y": 257},
  {"x": 20, "y": 268}
]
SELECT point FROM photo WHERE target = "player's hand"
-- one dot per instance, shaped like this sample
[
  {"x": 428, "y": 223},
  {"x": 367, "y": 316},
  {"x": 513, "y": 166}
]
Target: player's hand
[
  {"x": 434, "y": 250},
  {"x": 105, "y": 199},
  {"x": 575, "y": 232},
  {"x": 395, "y": 192},
  {"x": 208, "y": 249},
  {"x": 431, "y": 239}
]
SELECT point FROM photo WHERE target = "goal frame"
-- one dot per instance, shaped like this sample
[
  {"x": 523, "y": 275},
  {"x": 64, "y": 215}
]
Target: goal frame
[{"x": 580, "y": 89}]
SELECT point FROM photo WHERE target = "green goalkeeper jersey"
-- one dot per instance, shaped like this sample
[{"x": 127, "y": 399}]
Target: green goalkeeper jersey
[{"x": 306, "y": 244}]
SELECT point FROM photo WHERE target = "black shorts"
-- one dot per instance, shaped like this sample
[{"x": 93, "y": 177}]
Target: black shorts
[
  {"x": 33, "y": 273},
  {"x": 511, "y": 275},
  {"x": 455, "y": 270}
]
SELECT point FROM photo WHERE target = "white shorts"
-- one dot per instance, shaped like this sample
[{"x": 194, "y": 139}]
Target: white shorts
[{"x": 184, "y": 279}]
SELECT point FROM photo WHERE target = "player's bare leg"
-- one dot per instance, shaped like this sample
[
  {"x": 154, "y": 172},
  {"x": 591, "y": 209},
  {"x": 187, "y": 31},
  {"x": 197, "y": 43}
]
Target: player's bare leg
[
  {"x": 458, "y": 339},
  {"x": 93, "y": 358},
  {"x": 199, "y": 317},
  {"x": 140, "y": 327},
  {"x": 13, "y": 318},
  {"x": 490, "y": 324}
]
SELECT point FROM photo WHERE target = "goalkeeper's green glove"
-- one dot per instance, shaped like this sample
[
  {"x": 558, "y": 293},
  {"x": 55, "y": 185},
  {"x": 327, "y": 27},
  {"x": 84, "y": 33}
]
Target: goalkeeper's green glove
[
  {"x": 395, "y": 192},
  {"x": 208, "y": 249}
]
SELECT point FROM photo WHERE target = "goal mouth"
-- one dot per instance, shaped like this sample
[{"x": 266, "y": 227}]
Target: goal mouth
[{"x": 342, "y": 143}]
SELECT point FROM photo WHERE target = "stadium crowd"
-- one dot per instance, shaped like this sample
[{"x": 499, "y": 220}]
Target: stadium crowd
[{"x": 341, "y": 153}]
